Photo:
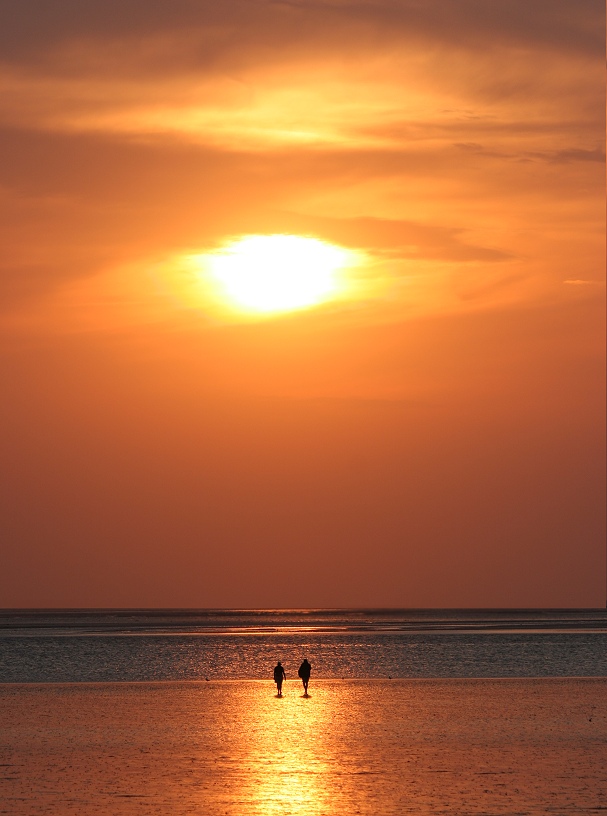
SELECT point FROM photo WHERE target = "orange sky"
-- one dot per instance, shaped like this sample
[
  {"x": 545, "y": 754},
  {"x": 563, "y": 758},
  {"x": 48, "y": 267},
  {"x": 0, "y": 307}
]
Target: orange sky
[{"x": 431, "y": 434}]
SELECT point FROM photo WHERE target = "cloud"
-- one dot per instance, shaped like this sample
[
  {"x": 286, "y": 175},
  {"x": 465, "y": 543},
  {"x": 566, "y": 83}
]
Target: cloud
[
  {"x": 266, "y": 75},
  {"x": 399, "y": 238},
  {"x": 566, "y": 156},
  {"x": 577, "y": 155},
  {"x": 450, "y": 134},
  {"x": 578, "y": 282},
  {"x": 36, "y": 31}
]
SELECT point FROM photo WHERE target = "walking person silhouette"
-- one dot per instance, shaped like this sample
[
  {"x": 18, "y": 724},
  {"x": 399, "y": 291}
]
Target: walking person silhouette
[
  {"x": 279, "y": 676},
  {"x": 304, "y": 673}
]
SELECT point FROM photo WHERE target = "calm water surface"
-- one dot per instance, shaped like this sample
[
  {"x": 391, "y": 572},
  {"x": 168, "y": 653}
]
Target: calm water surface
[
  {"x": 144, "y": 645},
  {"x": 435, "y": 747}
]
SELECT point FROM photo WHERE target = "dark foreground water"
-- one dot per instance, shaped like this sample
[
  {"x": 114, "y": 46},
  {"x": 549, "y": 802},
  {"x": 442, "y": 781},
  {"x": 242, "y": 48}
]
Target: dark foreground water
[{"x": 143, "y": 645}]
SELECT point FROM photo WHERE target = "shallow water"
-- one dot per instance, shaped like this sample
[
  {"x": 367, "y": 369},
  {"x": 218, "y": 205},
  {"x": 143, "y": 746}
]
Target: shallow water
[
  {"x": 137, "y": 645},
  {"x": 360, "y": 746}
]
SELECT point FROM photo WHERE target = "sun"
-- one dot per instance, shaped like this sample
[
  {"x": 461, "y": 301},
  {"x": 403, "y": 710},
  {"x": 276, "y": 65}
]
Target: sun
[{"x": 268, "y": 274}]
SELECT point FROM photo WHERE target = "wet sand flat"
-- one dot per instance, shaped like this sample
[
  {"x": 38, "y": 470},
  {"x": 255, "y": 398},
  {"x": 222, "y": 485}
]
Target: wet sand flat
[{"x": 356, "y": 746}]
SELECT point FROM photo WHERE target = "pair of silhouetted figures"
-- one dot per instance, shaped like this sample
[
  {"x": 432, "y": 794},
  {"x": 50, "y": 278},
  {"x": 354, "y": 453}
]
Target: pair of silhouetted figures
[{"x": 303, "y": 672}]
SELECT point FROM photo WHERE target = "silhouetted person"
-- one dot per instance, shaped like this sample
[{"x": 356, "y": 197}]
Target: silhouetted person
[
  {"x": 304, "y": 673},
  {"x": 279, "y": 676}
]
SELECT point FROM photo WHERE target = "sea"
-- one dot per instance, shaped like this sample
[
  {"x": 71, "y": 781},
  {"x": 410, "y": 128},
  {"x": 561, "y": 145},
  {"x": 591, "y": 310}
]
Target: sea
[{"x": 143, "y": 645}]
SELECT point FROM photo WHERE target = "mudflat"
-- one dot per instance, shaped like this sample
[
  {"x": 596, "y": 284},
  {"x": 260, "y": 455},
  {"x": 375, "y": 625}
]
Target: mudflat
[{"x": 516, "y": 746}]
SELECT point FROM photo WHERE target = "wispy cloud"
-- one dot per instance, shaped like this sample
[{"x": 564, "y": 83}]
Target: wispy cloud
[{"x": 460, "y": 134}]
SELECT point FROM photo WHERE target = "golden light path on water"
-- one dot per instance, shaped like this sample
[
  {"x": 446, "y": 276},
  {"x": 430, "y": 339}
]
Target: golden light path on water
[
  {"x": 289, "y": 752},
  {"x": 265, "y": 275}
]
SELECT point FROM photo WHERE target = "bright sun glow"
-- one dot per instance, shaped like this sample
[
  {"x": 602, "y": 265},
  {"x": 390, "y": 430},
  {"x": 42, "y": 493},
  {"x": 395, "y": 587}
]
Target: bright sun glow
[{"x": 277, "y": 273}]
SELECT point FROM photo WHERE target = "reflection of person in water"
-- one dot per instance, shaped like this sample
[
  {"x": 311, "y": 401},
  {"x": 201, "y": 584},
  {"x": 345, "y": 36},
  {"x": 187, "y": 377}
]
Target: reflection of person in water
[
  {"x": 279, "y": 676},
  {"x": 304, "y": 673}
]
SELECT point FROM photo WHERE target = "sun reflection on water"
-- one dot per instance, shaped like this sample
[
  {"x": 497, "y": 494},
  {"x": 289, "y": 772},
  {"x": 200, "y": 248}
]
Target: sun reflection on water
[{"x": 289, "y": 754}]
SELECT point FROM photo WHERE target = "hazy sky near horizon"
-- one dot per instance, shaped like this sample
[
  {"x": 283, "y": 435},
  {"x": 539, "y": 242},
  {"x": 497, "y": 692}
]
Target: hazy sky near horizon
[{"x": 428, "y": 433}]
